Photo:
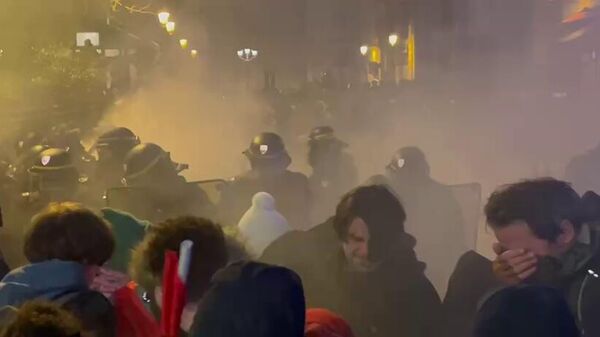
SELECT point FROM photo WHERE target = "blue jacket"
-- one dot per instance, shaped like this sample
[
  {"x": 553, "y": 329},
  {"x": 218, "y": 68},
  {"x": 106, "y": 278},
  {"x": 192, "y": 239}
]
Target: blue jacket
[{"x": 47, "y": 280}]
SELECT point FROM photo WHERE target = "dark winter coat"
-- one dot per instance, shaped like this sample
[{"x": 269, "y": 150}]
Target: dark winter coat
[
  {"x": 471, "y": 280},
  {"x": 394, "y": 300}
]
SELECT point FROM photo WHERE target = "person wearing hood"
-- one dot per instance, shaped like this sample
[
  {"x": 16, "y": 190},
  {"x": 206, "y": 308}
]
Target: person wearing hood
[
  {"x": 251, "y": 299},
  {"x": 370, "y": 275},
  {"x": 262, "y": 223},
  {"x": 333, "y": 171},
  {"x": 434, "y": 216},
  {"x": 269, "y": 162},
  {"x": 66, "y": 245},
  {"x": 542, "y": 240}
]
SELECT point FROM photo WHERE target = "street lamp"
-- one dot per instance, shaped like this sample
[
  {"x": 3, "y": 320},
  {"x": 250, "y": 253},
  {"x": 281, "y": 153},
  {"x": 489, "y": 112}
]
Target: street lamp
[
  {"x": 183, "y": 43},
  {"x": 163, "y": 17},
  {"x": 194, "y": 53},
  {"x": 393, "y": 39},
  {"x": 170, "y": 26},
  {"x": 364, "y": 50},
  {"x": 247, "y": 54}
]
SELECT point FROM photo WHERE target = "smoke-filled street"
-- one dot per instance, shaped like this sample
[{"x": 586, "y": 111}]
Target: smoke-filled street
[{"x": 270, "y": 168}]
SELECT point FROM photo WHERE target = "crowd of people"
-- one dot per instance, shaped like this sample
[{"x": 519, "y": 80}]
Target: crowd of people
[{"x": 279, "y": 253}]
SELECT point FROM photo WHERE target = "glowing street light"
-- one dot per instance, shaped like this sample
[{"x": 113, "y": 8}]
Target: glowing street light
[
  {"x": 183, "y": 43},
  {"x": 194, "y": 53},
  {"x": 170, "y": 26},
  {"x": 364, "y": 50},
  {"x": 163, "y": 17},
  {"x": 393, "y": 39},
  {"x": 247, "y": 54}
]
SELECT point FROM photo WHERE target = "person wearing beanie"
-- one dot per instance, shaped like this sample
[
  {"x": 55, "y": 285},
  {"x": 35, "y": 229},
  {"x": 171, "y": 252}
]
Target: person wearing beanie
[{"x": 262, "y": 223}]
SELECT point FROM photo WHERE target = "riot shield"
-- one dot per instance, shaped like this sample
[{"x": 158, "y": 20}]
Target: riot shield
[{"x": 139, "y": 202}]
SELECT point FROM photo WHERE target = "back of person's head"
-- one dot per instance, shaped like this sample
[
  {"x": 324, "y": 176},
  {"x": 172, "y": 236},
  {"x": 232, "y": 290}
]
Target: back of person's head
[
  {"x": 209, "y": 253},
  {"x": 40, "y": 319},
  {"x": 542, "y": 203},
  {"x": 251, "y": 299},
  {"x": 324, "y": 323},
  {"x": 380, "y": 210},
  {"x": 69, "y": 232},
  {"x": 525, "y": 311}
]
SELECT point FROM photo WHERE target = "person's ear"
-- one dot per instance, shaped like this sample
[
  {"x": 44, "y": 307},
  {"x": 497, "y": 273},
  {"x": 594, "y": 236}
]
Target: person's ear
[{"x": 567, "y": 233}]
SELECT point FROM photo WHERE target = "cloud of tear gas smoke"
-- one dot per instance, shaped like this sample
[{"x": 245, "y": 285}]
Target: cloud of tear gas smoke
[{"x": 206, "y": 130}]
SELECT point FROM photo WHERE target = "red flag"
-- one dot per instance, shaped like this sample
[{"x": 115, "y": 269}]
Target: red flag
[
  {"x": 174, "y": 293},
  {"x": 133, "y": 320}
]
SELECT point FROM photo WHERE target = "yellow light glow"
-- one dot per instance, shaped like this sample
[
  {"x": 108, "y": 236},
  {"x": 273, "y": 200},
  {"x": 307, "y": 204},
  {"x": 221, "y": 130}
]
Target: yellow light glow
[
  {"x": 170, "y": 26},
  {"x": 163, "y": 17},
  {"x": 375, "y": 54},
  {"x": 194, "y": 53},
  {"x": 183, "y": 43},
  {"x": 411, "y": 55}
]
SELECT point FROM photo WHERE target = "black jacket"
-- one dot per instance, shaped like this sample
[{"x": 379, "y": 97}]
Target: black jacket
[
  {"x": 394, "y": 300},
  {"x": 471, "y": 280}
]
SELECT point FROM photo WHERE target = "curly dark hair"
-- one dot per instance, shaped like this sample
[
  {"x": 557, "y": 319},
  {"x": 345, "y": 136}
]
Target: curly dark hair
[
  {"x": 542, "y": 203},
  {"x": 209, "y": 252},
  {"x": 35, "y": 319},
  {"x": 70, "y": 232}
]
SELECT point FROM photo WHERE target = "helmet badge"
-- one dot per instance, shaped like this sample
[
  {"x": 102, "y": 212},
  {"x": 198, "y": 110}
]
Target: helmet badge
[
  {"x": 264, "y": 149},
  {"x": 401, "y": 162},
  {"x": 45, "y": 160}
]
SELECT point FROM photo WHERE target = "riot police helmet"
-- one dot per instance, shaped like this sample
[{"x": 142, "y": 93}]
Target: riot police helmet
[
  {"x": 54, "y": 170},
  {"x": 324, "y": 134},
  {"x": 118, "y": 137},
  {"x": 267, "y": 149},
  {"x": 52, "y": 159},
  {"x": 145, "y": 158},
  {"x": 410, "y": 160},
  {"x": 116, "y": 143},
  {"x": 266, "y": 145}
]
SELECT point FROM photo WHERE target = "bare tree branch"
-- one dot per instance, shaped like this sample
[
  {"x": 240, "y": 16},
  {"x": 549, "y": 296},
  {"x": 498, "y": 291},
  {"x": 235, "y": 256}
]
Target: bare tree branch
[{"x": 117, "y": 5}]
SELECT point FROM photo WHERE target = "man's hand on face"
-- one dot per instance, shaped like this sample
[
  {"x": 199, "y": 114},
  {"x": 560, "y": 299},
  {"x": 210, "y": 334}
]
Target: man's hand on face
[{"x": 513, "y": 266}]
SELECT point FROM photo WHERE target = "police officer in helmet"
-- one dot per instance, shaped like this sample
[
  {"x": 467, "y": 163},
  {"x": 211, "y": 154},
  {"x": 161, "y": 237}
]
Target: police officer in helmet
[
  {"x": 19, "y": 171},
  {"x": 269, "y": 162},
  {"x": 112, "y": 147},
  {"x": 54, "y": 176},
  {"x": 333, "y": 171},
  {"x": 435, "y": 219},
  {"x": 162, "y": 192}
]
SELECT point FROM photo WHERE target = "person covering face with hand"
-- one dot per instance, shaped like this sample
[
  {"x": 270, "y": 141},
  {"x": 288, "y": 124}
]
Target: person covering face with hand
[{"x": 538, "y": 225}]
